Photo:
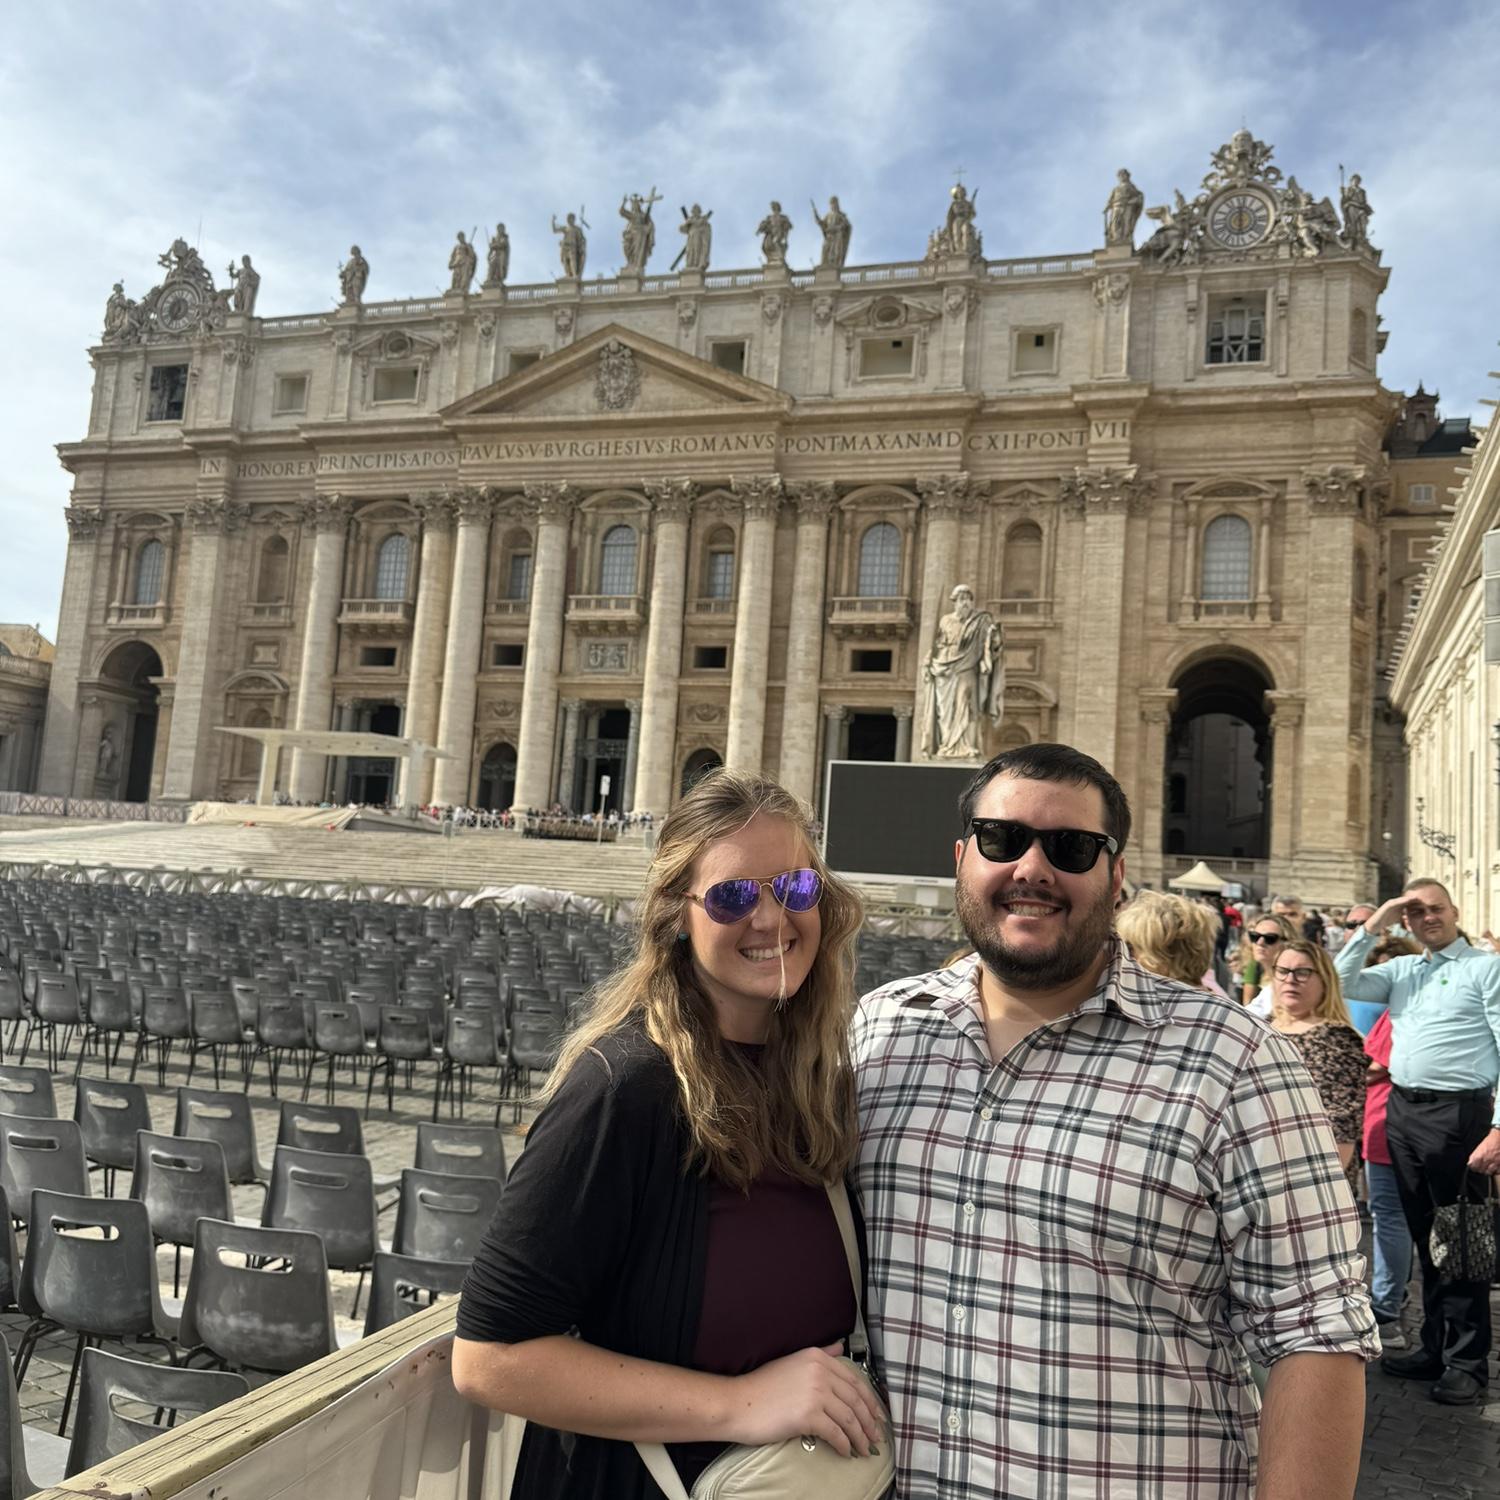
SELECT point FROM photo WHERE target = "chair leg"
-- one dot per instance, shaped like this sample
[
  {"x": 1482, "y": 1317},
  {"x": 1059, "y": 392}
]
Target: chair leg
[
  {"x": 359, "y": 1287},
  {"x": 193, "y": 1050},
  {"x": 140, "y": 1041},
  {"x": 62, "y": 1426}
]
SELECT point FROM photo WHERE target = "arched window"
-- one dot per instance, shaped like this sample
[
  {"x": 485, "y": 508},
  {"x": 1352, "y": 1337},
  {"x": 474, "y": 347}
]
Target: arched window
[
  {"x": 391, "y": 565},
  {"x": 1021, "y": 567},
  {"x": 270, "y": 584},
  {"x": 718, "y": 568},
  {"x": 1226, "y": 558},
  {"x": 617, "y": 561},
  {"x": 150, "y": 565},
  {"x": 1359, "y": 336},
  {"x": 880, "y": 562},
  {"x": 697, "y": 766},
  {"x": 1361, "y": 582}
]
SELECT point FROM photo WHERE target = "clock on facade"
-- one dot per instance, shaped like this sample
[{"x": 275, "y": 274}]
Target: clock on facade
[
  {"x": 179, "y": 307},
  {"x": 1240, "y": 219}
]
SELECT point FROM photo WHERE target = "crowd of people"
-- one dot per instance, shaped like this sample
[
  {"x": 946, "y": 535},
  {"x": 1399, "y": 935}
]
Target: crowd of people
[
  {"x": 1085, "y": 1163},
  {"x": 531, "y": 818}
]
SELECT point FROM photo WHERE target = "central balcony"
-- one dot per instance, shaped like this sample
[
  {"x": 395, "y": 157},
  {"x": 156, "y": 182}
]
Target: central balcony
[
  {"x": 607, "y": 614},
  {"x": 384, "y": 616},
  {"x": 871, "y": 618}
]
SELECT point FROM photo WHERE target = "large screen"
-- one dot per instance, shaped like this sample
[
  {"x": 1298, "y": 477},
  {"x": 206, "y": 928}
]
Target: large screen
[{"x": 885, "y": 818}]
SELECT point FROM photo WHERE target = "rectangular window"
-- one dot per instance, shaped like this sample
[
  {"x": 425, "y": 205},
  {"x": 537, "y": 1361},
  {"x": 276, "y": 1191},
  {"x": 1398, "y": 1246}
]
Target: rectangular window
[
  {"x": 1421, "y": 494},
  {"x": 1036, "y": 351},
  {"x": 879, "y": 357},
  {"x": 728, "y": 354},
  {"x": 720, "y": 575},
  {"x": 377, "y": 656},
  {"x": 870, "y": 661},
  {"x": 396, "y": 383},
  {"x": 168, "y": 393},
  {"x": 1237, "y": 330},
  {"x": 518, "y": 583},
  {"x": 522, "y": 359},
  {"x": 508, "y": 654},
  {"x": 710, "y": 658},
  {"x": 290, "y": 395}
]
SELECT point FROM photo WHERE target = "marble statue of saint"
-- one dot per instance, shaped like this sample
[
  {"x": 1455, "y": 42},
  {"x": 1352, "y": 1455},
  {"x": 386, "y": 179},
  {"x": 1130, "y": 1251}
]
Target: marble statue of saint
[
  {"x": 354, "y": 275},
  {"x": 1309, "y": 223},
  {"x": 963, "y": 681},
  {"x": 1357, "y": 211},
  {"x": 573, "y": 247},
  {"x": 700, "y": 237},
  {"x": 497, "y": 263},
  {"x": 774, "y": 231},
  {"x": 836, "y": 230},
  {"x": 246, "y": 280},
  {"x": 117, "y": 312},
  {"x": 105, "y": 764},
  {"x": 463, "y": 262},
  {"x": 638, "y": 238},
  {"x": 1122, "y": 211},
  {"x": 960, "y": 236}
]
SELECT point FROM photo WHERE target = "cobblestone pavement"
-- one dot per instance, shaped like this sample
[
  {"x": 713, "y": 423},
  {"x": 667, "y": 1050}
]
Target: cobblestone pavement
[{"x": 1413, "y": 1447}]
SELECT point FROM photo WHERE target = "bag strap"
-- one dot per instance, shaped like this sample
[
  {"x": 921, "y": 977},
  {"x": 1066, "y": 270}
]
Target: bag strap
[{"x": 655, "y": 1456}]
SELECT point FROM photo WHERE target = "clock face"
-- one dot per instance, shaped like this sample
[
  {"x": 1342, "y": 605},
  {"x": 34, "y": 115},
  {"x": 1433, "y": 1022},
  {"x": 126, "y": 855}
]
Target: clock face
[
  {"x": 178, "y": 309},
  {"x": 1240, "y": 219}
]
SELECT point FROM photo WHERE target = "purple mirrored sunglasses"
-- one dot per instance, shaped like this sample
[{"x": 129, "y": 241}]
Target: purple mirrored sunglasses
[{"x": 734, "y": 900}]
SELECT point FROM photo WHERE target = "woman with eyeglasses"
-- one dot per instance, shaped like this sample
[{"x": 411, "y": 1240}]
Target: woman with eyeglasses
[
  {"x": 667, "y": 1266},
  {"x": 1309, "y": 1010},
  {"x": 1263, "y": 940}
]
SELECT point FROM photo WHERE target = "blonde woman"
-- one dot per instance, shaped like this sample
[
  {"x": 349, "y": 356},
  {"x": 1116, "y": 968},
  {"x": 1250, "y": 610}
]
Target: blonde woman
[
  {"x": 1171, "y": 936},
  {"x": 1309, "y": 1011},
  {"x": 670, "y": 1208},
  {"x": 1264, "y": 938}
]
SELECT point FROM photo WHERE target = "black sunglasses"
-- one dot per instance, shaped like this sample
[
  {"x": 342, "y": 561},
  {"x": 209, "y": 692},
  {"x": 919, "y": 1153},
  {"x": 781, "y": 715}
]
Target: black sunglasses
[
  {"x": 1074, "y": 851},
  {"x": 1265, "y": 937}
]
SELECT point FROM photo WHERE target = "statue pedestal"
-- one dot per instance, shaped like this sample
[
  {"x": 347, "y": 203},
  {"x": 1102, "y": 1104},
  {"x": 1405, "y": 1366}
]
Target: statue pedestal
[
  {"x": 455, "y": 295},
  {"x": 957, "y": 265},
  {"x": 690, "y": 281},
  {"x": 1112, "y": 255},
  {"x": 777, "y": 275},
  {"x": 568, "y": 286},
  {"x": 827, "y": 276},
  {"x": 629, "y": 281},
  {"x": 492, "y": 291}
]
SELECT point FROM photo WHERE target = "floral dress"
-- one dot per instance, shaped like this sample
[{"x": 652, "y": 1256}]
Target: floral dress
[{"x": 1334, "y": 1055}]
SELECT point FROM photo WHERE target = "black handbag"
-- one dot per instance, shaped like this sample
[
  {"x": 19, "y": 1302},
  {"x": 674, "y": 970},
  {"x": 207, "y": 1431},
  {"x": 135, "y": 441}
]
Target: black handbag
[{"x": 1463, "y": 1240}]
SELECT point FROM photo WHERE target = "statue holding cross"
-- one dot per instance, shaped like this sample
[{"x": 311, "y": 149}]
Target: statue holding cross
[{"x": 638, "y": 238}]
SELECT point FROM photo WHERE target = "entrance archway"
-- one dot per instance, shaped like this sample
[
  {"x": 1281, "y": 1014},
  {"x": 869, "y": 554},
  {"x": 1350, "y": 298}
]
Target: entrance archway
[
  {"x": 124, "y": 771},
  {"x": 1218, "y": 770},
  {"x": 372, "y": 780},
  {"x": 497, "y": 778},
  {"x": 872, "y": 736},
  {"x": 697, "y": 766}
]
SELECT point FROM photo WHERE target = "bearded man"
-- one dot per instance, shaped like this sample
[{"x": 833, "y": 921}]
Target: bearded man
[{"x": 1094, "y": 1195}]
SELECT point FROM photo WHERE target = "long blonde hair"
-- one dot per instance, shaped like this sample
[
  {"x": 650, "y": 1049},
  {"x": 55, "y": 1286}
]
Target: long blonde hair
[
  {"x": 1331, "y": 1007},
  {"x": 796, "y": 1110},
  {"x": 1169, "y": 935}
]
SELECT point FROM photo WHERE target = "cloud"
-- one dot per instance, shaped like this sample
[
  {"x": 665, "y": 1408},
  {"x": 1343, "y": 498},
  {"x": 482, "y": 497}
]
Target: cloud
[{"x": 292, "y": 130}]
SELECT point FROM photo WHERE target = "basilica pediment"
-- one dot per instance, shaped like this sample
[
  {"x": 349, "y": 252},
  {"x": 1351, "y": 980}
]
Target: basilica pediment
[{"x": 616, "y": 372}]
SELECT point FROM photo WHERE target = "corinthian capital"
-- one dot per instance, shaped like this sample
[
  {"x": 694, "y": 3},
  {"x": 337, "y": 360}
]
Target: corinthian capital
[
  {"x": 553, "y": 501},
  {"x": 211, "y": 514},
  {"x": 1107, "y": 491},
  {"x": 84, "y": 521},
  {"x": 814, "y": 498},
  {"x": 1338, "y": 489},
  {"x": 672, "y": 499},
  {"x": 473, "y": 506},
  {"x": 758, "y": 494},
  {"x": 325, "y": 512},
  {"x": 436, "y": 510},
  {"x": 952, "y": 494}
]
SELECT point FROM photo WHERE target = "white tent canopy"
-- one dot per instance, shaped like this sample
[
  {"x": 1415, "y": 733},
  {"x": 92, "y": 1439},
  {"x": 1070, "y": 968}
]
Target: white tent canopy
[
  {"x": 1199, "y": 878},
  {"x": 332, "y": 742}
]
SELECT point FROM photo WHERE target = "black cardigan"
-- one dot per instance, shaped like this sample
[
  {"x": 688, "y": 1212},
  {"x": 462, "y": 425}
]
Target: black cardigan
[{"x": 600, "y": 1229}]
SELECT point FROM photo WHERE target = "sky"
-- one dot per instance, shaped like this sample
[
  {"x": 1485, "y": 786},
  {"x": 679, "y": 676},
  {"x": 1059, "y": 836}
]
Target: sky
[{"x": 291, "y": 129}]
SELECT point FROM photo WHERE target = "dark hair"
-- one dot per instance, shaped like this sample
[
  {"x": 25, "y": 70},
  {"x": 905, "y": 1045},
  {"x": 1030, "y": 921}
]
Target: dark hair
[{"x": 1053, "y": 763}]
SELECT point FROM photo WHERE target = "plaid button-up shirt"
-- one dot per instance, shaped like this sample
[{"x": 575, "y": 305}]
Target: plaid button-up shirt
[{"x": 1073, "y": 1250}]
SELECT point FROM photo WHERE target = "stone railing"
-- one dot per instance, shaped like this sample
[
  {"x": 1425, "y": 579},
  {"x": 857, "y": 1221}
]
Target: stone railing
[
  {"x": 1226, "y": 609},
  {"x": 870, "y": 616},
  {"x": 268, "y": 614},
  {"x": 710, "y": 607},
  {"x": 376, "y": 612},
  {"x": 31, "y": 805},
  {"x": 25, "y": 666},
  {"x": 1007, "y": 609},
  {"x": 508, "y": 608},
  {"x": 625, "y": 608},
  {"x": 139, "y": 616},
  {"x": 1055, "y": 265}
]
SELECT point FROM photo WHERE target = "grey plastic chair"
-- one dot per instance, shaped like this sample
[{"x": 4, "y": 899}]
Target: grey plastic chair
[
  {"x": 36, "y": 1154},
  {"x": 108, "y": 1116},
  {"x": 90, "y": 1269},
  {"x": 27, "y": 1091},
  {"x": 110, "y": 1017},
  {"x": 102, "y": 1431},
  {"x": 57, "y": 1006},
  {"x": 164, "y": 1020},
  {"x": 471, "y": 1040},
  {"x": 321, "y": 1127},
  {"x": 250, "y": 1317},
  {"x": 463, "y": 1150},
  {"x": 443, "y": 1217},
  {"x": 404, "y": 1035},
  {"x": 331, "y": 1195},
  {"x": 10, "y": 1258},
  {"x": 401, "y": 1285},
  {"x": 213, "y": 1024},
  {"x": 29, "y": 1458},
  {"x": 180, "y": 1180},
  {"x": 338, "y": 1031},
  {"x": 208, "y": 1114}
]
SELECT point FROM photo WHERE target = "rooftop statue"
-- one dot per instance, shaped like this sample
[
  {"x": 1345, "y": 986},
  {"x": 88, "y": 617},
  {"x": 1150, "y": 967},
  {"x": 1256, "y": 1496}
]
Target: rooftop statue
[
  {"x": 700, "y": 237},
  {"x": 497, "y": 263},
  {"x": 463, "y": 262},
  {"x": 246, "y": 282},
  {"x": 959, "y": 235},
  {"x": 573, "y": 246},
  {"x": 638, "y": 238},
  {"x": 1122, "y": 211},
  {"x": 836, "y": 232},
  {"x": 775, "y": 231},
  {"x": 354, "y": 276}
]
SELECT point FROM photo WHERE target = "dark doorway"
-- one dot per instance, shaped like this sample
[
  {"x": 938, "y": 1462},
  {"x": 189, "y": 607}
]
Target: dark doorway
[
  {"x": 132, "y": 667},
  {"x": 697, "y": 766},
  {"x": 872, "y": 737},
  {"x": 372, "y": 779},
  {"x": 497, "y": 778},
  {"x": 1219, "y": 763},
  {"x": 603, "y": 754}
]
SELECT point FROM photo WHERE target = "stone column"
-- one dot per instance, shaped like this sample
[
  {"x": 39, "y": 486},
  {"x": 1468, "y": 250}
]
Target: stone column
[
  {"x": 90, "y": 731},
  {"x": 60, "y": 745},
  {"x": 672, "y": 501},
  {"x": 1286, "y": 724},
  {"x": 455, "y": 736},
  {"x": 903, "y": 713},
  {"x": 1104, "y": 498},
  {"x": 1147, "y": 865},
  {"x": 428, "y": 637},
  {"x": 591, "y": 763},
  {"x": 544, "y": 644},
  {"x": 632, "y": 754},
  {"x": 567, "y": 776},
  {"x": 327, "y": 516},
  {"x": 190, "y": 752},
  {"x": 760, "y": 496},
  {"x": 804, "y": 646},
  {"x": 835, "y": 717}
]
